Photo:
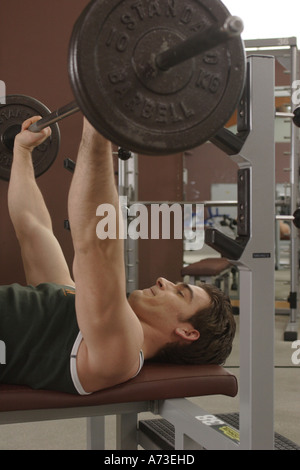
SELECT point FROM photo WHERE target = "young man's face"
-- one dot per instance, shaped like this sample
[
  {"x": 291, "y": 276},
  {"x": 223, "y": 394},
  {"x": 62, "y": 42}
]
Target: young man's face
[{"x": 166, "y": 304}]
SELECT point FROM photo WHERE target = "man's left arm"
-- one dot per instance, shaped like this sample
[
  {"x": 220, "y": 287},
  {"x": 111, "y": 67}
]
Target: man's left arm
[{"x": 43, "y": 259}]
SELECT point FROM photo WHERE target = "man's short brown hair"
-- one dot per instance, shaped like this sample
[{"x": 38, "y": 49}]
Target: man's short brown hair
[{"x": 217, "y": 327}]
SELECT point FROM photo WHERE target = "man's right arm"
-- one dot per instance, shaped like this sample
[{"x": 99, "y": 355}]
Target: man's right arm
[{"x": 109, "y": 326}]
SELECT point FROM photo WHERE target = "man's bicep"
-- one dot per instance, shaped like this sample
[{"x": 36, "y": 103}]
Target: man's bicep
[
  {"x": 105, "y": 319},
  {"x": 100, "y": 285}
]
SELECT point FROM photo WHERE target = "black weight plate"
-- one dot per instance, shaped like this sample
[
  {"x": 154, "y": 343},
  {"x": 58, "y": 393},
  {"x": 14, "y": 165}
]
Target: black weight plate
[
  {"x": 158, "y": 113},
  {"x": 17, "y": 109},
  {"x": 73, "y": 69}
]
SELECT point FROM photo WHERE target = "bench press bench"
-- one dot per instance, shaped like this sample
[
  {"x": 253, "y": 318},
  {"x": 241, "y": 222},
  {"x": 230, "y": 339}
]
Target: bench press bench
[
  {"x": 209, "y": 270},
  {"x": 156, "y": 385}
]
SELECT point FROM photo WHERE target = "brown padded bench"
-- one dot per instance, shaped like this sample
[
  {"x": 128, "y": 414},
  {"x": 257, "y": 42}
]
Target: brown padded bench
[
  {"x": 157, "y": 387},
  {"x": 212, "y": 271},
  {"x": 155, "y": 382},
  {"x": 209, "y": 267}
]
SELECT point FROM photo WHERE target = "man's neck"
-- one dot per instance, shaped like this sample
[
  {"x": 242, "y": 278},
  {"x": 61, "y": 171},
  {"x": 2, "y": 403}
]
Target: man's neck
[{"x": 153, "y": 341}]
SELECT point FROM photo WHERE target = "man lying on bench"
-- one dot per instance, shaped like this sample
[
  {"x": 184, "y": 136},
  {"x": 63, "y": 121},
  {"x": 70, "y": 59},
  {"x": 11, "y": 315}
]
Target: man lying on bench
[{"x": 94, "y": 339}]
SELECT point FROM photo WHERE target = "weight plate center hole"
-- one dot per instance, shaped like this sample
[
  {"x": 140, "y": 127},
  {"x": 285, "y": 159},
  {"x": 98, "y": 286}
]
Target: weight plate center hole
[
  {"x": 158, "y": 81},
  {"x": 9, "y": 135}
]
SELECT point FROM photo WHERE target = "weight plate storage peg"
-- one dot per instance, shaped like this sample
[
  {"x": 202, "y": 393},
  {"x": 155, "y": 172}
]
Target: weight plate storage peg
[
  {"x": 17, "y": 109},
  {"x": 115, "y": 54}
]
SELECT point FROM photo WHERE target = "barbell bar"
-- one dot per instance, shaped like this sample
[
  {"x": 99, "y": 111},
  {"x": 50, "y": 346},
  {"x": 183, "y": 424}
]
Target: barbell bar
[
  {"x": 173, "y": 56},
  {"x": 295, "y": 116},
  {"x": 199, "y": 43},
  {"x": 295, "y": 218},
  {"x": 147, "y": 80},
  {"x": 56, "y": 116},
  {"x": 73, "y": 108}
]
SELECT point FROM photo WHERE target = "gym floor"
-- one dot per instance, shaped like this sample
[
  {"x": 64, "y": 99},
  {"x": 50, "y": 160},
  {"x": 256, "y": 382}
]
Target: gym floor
[{"x": 71, "y": 434}]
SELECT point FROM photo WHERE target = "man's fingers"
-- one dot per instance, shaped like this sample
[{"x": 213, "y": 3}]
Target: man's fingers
[
  {"x": 30, "y": 121},
  {"x": 26, "y": 124}
]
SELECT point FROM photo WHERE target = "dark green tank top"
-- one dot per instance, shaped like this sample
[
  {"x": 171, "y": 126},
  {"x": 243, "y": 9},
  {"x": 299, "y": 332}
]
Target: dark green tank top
[{"x": 38, "y": 327}]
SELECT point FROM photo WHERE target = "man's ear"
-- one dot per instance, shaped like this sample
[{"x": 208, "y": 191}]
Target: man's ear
[{"x": 187, "y": 334}]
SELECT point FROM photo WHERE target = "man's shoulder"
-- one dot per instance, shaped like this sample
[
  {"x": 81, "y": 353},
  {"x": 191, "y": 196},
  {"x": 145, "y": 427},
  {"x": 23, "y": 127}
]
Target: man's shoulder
[{"x": 108, "y": 369}]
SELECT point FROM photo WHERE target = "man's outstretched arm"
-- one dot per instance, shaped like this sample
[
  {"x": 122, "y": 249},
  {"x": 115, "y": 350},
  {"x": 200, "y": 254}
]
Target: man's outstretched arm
[
  {"x": 42, "y": 256},
  {"x": 93, "y": 184},
  {"x": 110, "y": 329}
]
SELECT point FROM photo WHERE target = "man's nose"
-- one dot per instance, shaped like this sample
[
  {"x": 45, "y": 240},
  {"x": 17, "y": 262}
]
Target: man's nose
[{"x": 161, "y": 283}]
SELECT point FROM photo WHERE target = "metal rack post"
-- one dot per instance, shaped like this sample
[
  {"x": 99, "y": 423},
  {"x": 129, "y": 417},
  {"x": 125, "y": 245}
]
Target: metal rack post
[
  {"x": 286, "y": 52},
  {"x": 128, "y": 187}
]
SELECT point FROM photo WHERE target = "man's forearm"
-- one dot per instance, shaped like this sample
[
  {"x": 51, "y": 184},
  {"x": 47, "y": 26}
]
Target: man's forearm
[
  {"x": 25, "y": 201},
  {"x": 93, "y": 184}
]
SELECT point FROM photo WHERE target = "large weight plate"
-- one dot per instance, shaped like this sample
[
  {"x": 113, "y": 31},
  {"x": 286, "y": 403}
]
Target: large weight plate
[
  {"x": 17, "y": 109},
  {"x": 158, "y": 113}
]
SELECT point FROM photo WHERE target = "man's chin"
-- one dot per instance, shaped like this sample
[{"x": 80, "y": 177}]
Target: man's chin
[{"x": 134, "y": 294}]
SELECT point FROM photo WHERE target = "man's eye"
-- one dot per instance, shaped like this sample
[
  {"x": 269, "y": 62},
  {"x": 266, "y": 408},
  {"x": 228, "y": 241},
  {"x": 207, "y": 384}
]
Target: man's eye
[{"x": 181, "y": 293}]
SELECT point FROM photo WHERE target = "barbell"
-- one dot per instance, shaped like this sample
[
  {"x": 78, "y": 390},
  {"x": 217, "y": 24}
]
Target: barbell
[{"x": 154, "y": 76}]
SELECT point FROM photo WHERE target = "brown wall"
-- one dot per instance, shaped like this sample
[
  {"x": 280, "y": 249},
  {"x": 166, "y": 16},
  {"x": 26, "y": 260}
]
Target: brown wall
[
  {"x": 34, "y": 39},
  {"x": 160, "y": 179},
  {"x": 207, "y": 165}
]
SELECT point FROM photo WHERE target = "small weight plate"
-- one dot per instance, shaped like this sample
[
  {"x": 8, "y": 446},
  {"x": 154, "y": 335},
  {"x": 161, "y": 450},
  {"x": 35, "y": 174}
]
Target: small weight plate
[
  {"x": 138, "y": 106},
  {"x": 17, "y": 109}
]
